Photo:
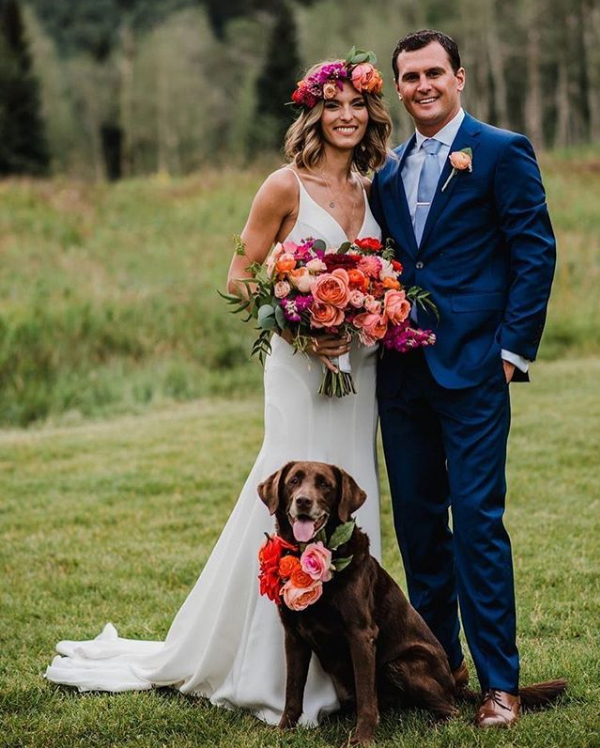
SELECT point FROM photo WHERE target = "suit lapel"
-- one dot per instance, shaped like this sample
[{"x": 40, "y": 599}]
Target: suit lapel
[{"x": 466, "y": 137}]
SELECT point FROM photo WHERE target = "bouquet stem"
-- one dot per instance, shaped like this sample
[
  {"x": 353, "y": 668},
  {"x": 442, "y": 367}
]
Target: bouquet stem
[{"x": 340, "y": 383}]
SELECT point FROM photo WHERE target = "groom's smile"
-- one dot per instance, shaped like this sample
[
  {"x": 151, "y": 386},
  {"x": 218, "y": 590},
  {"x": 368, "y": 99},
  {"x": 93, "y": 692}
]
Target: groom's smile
[{"x": 429, "y": 87}]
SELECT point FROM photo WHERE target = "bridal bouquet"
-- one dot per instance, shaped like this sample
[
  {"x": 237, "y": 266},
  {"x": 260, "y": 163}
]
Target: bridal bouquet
[{"x": 310, "y": 289}]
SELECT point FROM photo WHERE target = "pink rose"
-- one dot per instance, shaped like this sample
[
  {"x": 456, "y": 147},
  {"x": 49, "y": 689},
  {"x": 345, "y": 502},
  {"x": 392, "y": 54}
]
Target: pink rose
[
  {"x": 357, "y": 298},
  {"x": 396, "y": 306},
  {"x": 282, "y": 289},
  {"x": 316, "y": 561},
  {"x": 332, "y": 288},
  {"x": 301, "y": 279},
  {"x": 299, "y": 598},
  {"x": 371, "y": 327},
  {"x": 371, "y": 305}
]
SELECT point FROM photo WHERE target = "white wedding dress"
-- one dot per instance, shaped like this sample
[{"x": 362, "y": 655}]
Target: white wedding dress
[{"x": 226, "y": 642}]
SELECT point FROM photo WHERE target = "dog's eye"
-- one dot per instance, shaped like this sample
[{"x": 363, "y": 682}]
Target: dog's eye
[
  {"x": 294, "y": 481},
  {"x": 323, "y": 484}
]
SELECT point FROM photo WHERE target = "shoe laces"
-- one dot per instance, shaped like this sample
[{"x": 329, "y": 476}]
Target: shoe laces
[{"x": 493, "y": 694}]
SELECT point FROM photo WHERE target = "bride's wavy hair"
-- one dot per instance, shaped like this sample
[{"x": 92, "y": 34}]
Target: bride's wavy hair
[{"x": 304, "y": 143}]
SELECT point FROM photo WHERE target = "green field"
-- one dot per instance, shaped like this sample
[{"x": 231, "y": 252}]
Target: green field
[
  {"x": 112, "y": 521},
  {"x": 108, "y": 298}
]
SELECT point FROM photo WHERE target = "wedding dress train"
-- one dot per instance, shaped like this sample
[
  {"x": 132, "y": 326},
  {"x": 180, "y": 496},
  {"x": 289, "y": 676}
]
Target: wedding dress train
[{"x": 226, "y": 641}]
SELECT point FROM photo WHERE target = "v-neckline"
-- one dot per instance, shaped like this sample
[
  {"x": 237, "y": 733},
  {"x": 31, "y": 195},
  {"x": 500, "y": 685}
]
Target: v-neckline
[{"x": 335, "y": 220}]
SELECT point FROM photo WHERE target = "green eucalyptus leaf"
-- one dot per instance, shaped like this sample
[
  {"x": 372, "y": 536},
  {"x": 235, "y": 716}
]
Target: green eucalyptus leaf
[
  {"x": 343, "y": 248},
  {"x": 341, "y": 563},
  {"x": 266, "y": 317},
  {"x": 319, "y": 245},
  {"x": 342, "y": 534},
  {"x": 361, "y": 57},
  {"x": 280, "y": 317}
]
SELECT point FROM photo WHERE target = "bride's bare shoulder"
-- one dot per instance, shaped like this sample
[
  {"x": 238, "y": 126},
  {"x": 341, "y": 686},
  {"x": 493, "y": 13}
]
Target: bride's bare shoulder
[
  {"x": 281, "y": 186},
  {"x": 366, "y": 183}
]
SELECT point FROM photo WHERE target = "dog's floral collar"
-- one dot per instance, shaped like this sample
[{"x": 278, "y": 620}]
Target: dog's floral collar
[
  {"x": 324, "y": 83},
  {"x": 461, "y": 161},
  {"x": 294, "y": 574}
]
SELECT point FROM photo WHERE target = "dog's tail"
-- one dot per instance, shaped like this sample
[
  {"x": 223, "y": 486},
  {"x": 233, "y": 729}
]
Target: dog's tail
[
  {"x": 536, "y": 696},
  {"x": 541, "y": 694}
]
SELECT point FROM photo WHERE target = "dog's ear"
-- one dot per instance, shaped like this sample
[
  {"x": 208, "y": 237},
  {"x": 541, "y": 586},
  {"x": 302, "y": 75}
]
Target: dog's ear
[
  {"x": 268, "y": 490},
  {"x": 351, "y": 496}
]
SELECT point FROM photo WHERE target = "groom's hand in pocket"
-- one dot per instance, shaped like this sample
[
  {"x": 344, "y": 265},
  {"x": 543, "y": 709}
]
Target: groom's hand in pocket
[{"x": 509, "y": 370}]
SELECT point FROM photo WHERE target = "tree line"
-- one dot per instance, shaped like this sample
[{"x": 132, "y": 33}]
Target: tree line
[{"x": 118, "y": 88}]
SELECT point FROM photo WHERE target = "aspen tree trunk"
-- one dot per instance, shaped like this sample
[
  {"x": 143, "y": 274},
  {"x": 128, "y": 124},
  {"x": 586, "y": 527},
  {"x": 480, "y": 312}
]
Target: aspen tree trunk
[
  {"x": 162, "y": 109},
  {"x": 497, "y": 69},
  {"x": 561, "y": 138}
]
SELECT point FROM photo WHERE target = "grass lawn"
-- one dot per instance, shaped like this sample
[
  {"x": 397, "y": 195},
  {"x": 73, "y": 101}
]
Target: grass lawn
[{"x": 111, "y": 521}]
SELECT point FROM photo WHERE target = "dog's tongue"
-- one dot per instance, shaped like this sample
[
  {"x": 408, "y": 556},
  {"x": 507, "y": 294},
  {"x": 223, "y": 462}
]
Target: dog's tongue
[{"x": 304, "y": 529}]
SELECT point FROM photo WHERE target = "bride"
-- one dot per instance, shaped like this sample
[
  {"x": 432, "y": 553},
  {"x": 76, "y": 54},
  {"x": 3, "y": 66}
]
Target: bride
[{"x": 226, "y": 642}]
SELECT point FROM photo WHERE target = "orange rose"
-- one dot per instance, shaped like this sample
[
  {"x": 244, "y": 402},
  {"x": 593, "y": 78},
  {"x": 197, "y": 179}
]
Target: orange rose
[
  {"x": 285, "y": 263},
  {"x": 396, "y": 306},
  {"x": 330, "y": 90},
  {"x": 366, "y": 78},
  {"x": 300, "y": 578},
  {"x": 358, "y": 280},
  {"x": 325, "y": 315},
  {"x": 461, "y": 161},
  {"x": 287, "y": 565},
  {"x": 333, "y": 288},
  {"x": 391, "y": 283},
  {"x": 301, "y": 279}
]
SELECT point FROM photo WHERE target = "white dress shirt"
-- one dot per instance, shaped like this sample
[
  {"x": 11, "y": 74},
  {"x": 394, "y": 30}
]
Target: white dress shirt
[{"x": 411, "y": 171}]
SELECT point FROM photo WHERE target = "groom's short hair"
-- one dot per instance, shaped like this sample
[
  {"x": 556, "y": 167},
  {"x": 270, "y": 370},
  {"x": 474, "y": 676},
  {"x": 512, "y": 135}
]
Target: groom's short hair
[{"x": 419, "y": 39}]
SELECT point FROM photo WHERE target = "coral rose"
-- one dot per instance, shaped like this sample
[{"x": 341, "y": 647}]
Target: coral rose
[
  {"x": 461, "y": 161},
  {"x": 332, "y": 288},
  {"x": 372, "y": 305},
  {"x": 396, "y": 306},
  {"x": 316, "y": 561},
  {"x": 330, "y": 90},
  {"x": 285, "y": 263},
  {"x": 282, "y": 289},
  {"x": 288, "y": 565},
  {"x": 366, "y": 78},
  {"x": 300, "y": 598},
  {"x": 371, "y": 327},
  {"x": 325, "y": 315}
]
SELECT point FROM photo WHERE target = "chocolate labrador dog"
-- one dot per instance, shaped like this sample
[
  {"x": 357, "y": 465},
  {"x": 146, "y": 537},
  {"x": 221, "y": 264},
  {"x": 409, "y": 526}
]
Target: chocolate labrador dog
[{"x": 375, "y": 646}]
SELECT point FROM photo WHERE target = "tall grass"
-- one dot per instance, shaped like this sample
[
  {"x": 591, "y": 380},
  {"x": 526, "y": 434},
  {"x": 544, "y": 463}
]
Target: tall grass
[{"x": 108, "y": 296}]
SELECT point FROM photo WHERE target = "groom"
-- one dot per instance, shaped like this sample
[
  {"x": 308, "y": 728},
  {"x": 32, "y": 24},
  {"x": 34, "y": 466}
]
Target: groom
[{"x": 478, "y": 237}]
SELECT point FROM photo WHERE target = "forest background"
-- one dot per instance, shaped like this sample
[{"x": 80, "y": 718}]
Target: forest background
[{"x": 148, "y": 126}]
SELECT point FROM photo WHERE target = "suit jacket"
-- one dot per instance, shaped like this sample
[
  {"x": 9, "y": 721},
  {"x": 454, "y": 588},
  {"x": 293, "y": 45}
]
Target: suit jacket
[{"x": 487, "y": 254}]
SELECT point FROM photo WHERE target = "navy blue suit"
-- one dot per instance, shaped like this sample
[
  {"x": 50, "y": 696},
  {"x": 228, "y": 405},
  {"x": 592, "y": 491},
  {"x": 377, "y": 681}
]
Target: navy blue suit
[{"x": 487, "y": 256}]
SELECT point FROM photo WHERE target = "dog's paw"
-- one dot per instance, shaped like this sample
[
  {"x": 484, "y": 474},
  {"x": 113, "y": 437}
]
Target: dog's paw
[{"x": 287, "y": 721}]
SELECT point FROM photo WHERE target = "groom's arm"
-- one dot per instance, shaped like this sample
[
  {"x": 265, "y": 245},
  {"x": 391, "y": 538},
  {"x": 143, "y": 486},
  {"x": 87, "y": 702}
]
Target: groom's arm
[{"x": 525, "y": 223}]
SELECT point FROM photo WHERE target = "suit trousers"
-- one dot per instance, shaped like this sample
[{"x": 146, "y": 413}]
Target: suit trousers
[{"x": 445, "y": 452}]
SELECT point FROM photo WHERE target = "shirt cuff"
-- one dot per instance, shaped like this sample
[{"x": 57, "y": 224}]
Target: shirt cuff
[{"x": 513, "y": 358}]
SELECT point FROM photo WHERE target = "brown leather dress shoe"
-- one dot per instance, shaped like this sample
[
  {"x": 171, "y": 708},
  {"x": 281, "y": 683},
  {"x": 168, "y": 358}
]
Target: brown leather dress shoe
[
  {"x": 498, "y": 709},
  {"x": 461, "y": 676}
]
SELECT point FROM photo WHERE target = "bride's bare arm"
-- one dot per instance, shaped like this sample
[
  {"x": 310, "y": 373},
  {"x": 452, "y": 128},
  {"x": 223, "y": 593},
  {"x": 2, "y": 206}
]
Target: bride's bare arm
[
  {"x": 273, "y": 207},
  {"x": 272, "y": 215}
]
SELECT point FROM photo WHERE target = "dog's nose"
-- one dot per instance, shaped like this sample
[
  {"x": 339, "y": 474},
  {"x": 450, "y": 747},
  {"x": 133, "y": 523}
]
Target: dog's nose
[{"x": 303, "y": 502}]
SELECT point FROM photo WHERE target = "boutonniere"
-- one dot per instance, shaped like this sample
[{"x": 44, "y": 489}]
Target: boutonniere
[{"x": 461, "y": 161}]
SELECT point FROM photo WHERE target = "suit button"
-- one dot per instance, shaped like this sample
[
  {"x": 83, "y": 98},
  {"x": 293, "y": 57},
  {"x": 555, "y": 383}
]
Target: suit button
[{"x": 419, "y": 265}]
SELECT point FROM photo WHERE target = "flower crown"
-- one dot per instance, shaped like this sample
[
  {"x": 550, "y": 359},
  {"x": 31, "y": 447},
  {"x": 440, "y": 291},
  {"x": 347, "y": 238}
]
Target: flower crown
[{"x": 357, "y": 69}]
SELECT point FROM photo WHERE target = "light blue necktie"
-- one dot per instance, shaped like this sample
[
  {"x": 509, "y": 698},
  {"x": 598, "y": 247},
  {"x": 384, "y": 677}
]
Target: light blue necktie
[{"x": 428, "y": 179}]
